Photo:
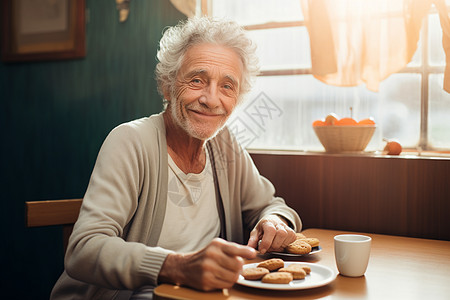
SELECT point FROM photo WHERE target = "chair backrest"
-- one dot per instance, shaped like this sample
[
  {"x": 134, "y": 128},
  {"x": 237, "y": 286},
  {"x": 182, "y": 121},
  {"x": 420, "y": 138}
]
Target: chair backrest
[{"x": 53, "y": 212}]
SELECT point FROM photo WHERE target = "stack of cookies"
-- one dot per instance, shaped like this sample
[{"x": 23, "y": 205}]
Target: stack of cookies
[
  {"x": 274, "y": 271},
  {"x": 302, "y": 245}
]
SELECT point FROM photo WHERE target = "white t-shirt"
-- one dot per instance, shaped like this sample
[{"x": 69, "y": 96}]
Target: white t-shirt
[{"x": 191, "y": 207}]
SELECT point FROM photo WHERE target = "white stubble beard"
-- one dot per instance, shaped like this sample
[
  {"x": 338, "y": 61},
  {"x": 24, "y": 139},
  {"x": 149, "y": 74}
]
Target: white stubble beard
[{"x": 187, "y": 127}]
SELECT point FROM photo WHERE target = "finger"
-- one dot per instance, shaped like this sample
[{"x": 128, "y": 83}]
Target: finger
[
  {"x": 222, "y": 279},
  {"x": 280, "y": 236},
  {"x": 227, "y": 274},
  {"x": 254, "y": 239},
  {"x": 269, "y": 232},
  {"x": 228, "y": 262},
  {"x": 217, "y": 278},
  {"x": 219, "y": 269},
  {"x": 291, "y": 237},
  {"x": 229, "y": 265},
  {"x": 233, "y": 249}
]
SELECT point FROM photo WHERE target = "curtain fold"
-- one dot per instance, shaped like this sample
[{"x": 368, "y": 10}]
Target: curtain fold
[
  {"x": 365, "y": 41},
  {"x": 444, "y": 18}
]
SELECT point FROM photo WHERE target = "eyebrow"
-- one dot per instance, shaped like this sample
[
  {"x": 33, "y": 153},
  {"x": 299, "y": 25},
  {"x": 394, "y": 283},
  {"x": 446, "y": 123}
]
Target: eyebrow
[{"x": 196, "y": 72}]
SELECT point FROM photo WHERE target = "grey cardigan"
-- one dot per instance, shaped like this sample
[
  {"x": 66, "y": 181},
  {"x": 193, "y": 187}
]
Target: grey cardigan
[{"x": 114, "y": 242}]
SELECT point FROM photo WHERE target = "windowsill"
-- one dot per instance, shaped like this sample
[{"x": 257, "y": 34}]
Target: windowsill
[{"x": 376, "y": 154}]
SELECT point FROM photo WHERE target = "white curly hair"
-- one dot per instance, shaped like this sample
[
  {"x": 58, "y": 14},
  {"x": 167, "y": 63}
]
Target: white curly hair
[{"x": 178, "y": 39}]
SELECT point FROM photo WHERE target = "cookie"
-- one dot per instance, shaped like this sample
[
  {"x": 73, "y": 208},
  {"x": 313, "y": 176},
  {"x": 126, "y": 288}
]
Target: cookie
[
  {"x": 254, "y": 273},
  {"x": 296, "y": 270},
  {"x": 272, "y": 264},
  {"x": 306, "y": 269},
  {"x": 277, "y": 277},
  {"x": 300, "y": 235},
  {"x": 314, "y": 242},
  {"x": 298, "y": 247}
]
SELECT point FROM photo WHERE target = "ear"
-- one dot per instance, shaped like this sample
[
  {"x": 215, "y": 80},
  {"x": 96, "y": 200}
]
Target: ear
[{"x": 166, "y": 94}]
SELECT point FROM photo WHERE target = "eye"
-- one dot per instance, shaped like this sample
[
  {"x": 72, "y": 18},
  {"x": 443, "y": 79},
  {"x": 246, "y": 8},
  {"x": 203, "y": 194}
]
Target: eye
[
  {"x": 228, "y": 86},
  {"x": 196, "y": 82}
]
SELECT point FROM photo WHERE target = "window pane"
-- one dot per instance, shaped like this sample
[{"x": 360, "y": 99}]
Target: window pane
[
  {"x": 282, "y": 48},
  {"x": 438, "y": 113},
  {"x": 257, "y": 11},
  {"x": 279, "y": 111},
  {"x": 399, "y": 108},
  {"x": 436, "y": 51}
]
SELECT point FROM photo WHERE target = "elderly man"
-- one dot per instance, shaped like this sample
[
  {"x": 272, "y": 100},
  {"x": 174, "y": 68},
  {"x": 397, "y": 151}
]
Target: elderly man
[{"x": 172, "y": 194}]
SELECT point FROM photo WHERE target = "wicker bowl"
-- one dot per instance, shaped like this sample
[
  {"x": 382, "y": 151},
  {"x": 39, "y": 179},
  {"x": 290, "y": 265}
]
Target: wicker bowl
[{"x": 337, "y": 139}]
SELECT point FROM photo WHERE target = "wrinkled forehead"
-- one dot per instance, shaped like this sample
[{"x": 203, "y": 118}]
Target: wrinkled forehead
[{"x": 210, "y": 58}]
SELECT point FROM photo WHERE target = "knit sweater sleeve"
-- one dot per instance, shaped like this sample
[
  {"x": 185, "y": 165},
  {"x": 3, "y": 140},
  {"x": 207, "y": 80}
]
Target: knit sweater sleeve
[{"x": 98, "y": 252}]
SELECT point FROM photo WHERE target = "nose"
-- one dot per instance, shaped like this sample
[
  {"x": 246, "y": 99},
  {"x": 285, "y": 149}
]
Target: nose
[{"x": 210, "y": 97}]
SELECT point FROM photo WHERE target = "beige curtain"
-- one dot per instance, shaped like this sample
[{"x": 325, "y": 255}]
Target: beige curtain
[
  {"x": 187, "y": 7},
  {"x": 365, "y": 41}
]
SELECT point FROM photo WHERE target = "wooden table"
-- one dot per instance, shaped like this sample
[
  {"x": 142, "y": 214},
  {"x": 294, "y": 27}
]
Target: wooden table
[{"x": 399, "y": 268}]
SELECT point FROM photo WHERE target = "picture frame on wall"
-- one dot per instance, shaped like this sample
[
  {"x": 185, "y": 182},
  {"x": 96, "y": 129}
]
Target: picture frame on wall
[{"x": 43, "y": 30}]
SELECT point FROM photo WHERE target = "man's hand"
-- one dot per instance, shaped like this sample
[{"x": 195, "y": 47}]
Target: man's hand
[
  {"x": 273, "y": 232},
  {"x": 217, "y": 266}
]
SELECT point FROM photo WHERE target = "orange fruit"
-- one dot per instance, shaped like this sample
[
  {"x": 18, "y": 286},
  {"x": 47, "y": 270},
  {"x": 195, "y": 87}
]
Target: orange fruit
[
  {"x": 368, "y": 121},
  {"x": 331, "y": 119},
  {"x": 392, "y": 148},
  {"x": 318, "y": 123},
  {"x": 345, "y": 122}
]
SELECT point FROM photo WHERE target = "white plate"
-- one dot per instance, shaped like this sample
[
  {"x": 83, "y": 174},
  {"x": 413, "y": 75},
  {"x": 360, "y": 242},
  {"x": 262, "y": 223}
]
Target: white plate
[
  {"x": 313, "y": 251},
  {"x": 319, "y": 276}
]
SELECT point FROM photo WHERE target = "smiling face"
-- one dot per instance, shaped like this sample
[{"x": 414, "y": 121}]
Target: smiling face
[{"x": 206, "y": 91}]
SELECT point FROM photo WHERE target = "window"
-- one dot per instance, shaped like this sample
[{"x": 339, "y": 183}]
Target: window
[{"x": 411, "y": 106}]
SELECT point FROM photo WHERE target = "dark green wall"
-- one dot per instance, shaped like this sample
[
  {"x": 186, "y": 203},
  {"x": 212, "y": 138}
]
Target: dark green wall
[{"x": 54, "y": 117}]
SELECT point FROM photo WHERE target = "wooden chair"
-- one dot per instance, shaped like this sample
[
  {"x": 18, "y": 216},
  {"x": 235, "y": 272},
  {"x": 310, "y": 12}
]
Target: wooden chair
[{"x": 54, "y": 212}]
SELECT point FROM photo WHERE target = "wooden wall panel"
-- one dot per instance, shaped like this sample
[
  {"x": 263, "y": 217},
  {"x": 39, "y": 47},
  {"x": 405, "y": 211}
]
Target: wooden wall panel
[
  {"x": 379, "y": 194},
  {"x": 54, "y": 117}
]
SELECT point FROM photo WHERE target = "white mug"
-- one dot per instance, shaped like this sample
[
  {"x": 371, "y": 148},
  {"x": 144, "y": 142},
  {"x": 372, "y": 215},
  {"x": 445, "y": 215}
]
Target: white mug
[{"x": 352, "y": 253}]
